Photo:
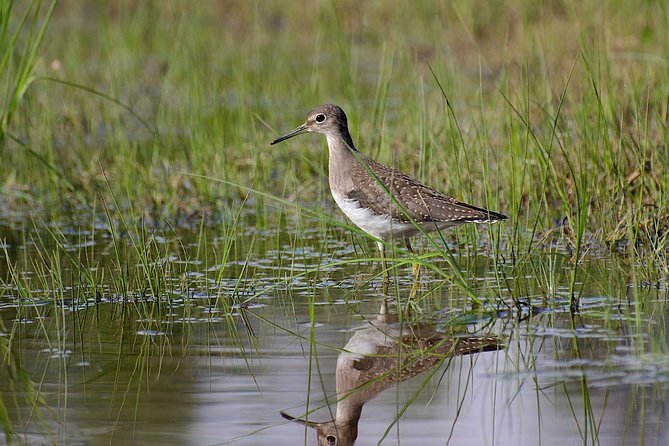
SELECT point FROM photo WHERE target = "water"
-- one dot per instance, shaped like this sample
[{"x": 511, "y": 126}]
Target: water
[{"x": 165, "y": 345}]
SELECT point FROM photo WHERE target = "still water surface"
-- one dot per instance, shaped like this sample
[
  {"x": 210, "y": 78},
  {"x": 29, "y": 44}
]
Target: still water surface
[{"x": 212, "y": 353}]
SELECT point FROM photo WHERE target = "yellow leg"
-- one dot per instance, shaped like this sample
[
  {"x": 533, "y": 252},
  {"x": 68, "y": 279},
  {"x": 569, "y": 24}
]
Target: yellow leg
[
  {"x": 415, "y": 271},
  {"x": 384, "y": 265}
]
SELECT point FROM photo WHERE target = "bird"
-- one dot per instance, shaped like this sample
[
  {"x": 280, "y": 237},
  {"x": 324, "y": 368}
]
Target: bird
[
  {"x": 380, "y": 355},
  {"x": 383, "y": 201}
]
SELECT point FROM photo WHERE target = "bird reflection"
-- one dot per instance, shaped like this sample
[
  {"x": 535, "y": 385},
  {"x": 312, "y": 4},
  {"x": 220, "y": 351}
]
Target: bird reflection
[{"x": 380, "y": 355}]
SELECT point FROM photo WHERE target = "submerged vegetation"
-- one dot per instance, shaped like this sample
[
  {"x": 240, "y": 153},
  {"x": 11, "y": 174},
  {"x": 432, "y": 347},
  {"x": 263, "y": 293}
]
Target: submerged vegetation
[{"x": 143, "y": 214}]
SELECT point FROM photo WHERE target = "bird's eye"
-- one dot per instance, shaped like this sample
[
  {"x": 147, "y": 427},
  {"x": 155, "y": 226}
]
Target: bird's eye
[
  {"x": 332, "y": 441},
  {"x": 320, "y": 117}
]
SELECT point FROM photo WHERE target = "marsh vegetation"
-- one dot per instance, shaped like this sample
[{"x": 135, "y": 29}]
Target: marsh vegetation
[{"x": 168, "y": 278}]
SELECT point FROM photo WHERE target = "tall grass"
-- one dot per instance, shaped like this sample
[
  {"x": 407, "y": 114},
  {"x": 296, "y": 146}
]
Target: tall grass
[
  {"x": 20, "y": 41},
  {"x": 505, "y": 125},
  {"x": 141, "y": 121}
]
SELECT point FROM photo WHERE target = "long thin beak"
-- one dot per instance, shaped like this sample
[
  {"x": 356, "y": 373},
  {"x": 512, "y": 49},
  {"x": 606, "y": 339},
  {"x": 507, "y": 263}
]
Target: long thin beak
[
  {"x": 297, "y": 131},
  {"x": 299, "y": 420}
]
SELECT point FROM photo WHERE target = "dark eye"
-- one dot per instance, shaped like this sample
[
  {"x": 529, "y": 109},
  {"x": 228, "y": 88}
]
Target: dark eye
[
  {"x": 330, "y": 438},
  {"x": 320, "y": 117}
]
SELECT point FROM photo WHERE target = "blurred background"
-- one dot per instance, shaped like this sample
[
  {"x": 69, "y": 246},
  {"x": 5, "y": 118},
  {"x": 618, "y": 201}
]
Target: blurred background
[{"x": 167, "y": 277}]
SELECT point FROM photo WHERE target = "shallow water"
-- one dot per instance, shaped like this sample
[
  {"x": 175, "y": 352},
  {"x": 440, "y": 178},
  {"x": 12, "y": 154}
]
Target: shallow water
[{"x": 205, "y": 353}]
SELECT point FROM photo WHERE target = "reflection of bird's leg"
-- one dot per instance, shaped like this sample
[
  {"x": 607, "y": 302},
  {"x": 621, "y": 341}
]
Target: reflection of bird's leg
[
  {"x": 383, "y": 311},
  {"x": 415, "y": 270},
  {"x": 384, "y": 265}
]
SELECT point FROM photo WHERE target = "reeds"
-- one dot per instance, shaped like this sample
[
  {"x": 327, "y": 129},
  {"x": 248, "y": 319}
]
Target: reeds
[{"x": 136, "y": 167}]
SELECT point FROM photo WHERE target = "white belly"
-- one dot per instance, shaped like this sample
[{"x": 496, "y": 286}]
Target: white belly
[{"x": 380, "y": 226}]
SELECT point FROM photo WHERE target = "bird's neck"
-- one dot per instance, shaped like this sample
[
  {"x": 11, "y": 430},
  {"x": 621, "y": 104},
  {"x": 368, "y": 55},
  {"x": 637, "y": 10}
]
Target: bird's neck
[
  {"x": 344, "y": 160},
  {"x": 348, "y": 413},
  {"x": 341, "y": 142}
]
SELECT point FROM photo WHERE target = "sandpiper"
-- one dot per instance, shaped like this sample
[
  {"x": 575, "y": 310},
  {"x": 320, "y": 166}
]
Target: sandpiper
[
  {"x": 380, "y": 355},
  {"x": 383, "y": 201}
]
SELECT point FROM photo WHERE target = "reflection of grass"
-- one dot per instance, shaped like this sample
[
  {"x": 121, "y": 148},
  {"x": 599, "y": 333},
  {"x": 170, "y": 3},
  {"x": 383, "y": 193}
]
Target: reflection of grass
[
  {"x": 24, "y": 392},
  {"x": 142, "y": 295}
]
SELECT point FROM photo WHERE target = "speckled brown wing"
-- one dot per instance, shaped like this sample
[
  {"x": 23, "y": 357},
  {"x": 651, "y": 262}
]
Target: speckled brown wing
[
  {"x": 414, "y": 356},
  {"x": 467, "y": 345},
  {"x": 422, "y": 203}
]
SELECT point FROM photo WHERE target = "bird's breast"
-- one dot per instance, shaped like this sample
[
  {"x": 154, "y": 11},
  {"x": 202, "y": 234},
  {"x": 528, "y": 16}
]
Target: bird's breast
[{"x": 378, "y": 225}]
